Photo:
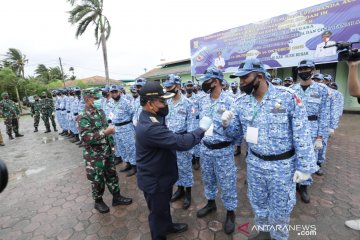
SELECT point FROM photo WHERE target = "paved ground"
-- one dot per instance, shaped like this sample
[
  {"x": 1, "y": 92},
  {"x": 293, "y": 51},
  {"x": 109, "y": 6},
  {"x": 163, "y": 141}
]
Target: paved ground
[{"x": 48, "y": 196}]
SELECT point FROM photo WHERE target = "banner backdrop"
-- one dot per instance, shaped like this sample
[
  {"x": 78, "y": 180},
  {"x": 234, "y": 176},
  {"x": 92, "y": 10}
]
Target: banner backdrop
[{"x": 281, "y": 41}]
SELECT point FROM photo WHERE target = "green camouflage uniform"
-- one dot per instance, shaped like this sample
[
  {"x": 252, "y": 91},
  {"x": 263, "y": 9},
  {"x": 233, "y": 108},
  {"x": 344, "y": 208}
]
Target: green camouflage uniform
[
  {"x": 98, "y": 153},
  {"x": 47, "y": 108},
  {"x": 35, "y": 112},
  {"x": 10, "y": 112}
]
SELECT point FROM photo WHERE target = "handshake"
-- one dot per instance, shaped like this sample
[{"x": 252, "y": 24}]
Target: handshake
[{"x": 206, "y": 122}]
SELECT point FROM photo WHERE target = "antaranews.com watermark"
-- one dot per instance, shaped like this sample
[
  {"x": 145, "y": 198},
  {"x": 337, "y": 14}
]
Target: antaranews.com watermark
[{"x": 300, "y": 229}]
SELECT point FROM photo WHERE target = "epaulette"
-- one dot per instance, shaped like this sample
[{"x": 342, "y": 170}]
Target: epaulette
[{"x": 154, "y": 120}]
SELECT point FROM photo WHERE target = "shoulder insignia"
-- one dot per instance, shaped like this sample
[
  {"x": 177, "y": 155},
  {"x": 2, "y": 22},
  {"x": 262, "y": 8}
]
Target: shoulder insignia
[
  {"x": 298, "y": 100},
  {"x": 154, "y": 120}
]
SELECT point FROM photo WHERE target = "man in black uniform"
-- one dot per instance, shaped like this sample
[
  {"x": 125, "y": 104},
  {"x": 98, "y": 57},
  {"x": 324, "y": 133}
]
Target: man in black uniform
[{"x": 156, "y": 148}]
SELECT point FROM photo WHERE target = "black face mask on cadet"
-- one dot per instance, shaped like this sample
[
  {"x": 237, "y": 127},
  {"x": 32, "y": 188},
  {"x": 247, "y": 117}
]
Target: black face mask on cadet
[
  {"x": 189, "y": 91},
  {"x": 117, "y": 98},
  {"x": 206, "y": 87},
  {"x": 175, "y": 91},
  {"x": 287, "y": 84},
  {"x": 163, "y": 112},
  {"x": 305, "y": 75},
  {"x": 250, "y": 87},
  {"x": 234, "y": 90}
]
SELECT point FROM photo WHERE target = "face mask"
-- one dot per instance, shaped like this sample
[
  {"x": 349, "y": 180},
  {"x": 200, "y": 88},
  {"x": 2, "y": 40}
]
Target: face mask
[
  {"x": 117, "y": 98},
  {"x": 97, "y": 104},
  {"x": 234, "y": 90},
  {"x": 206, "y": 86},
  {"x": 104, "y": 94},
  {"x": 305, "y": 75},
  {"x": 43, "y": 97},
  {"x": 189, "y": 91},
  {"x": 37, "y": 100},
  {"x": 175, "y": 91},
  {"x": 195, "y": 91},
  {"x": 250, "y": 87},
  {"x": 287, "y": 84},
  {"x": 162, "y": 112},
  {"x": 135, "y": 95}
]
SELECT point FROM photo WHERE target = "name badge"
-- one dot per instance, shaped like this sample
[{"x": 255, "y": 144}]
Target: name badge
[
  {"x": 111, "y": 115},
  {"x": 252, "y": 135},
  {"x": 210, "y": 131}
]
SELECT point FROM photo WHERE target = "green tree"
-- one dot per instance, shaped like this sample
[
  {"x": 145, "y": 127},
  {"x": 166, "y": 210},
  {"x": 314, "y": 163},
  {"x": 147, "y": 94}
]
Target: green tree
[
  {"x": 16, "y": 61},
  {"x": 42, "y": 73},
  {"x": 91, "y": 11}
]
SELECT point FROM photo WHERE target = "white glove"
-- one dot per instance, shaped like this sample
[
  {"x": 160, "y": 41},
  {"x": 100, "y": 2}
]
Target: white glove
[
  {"x": 205, "y": 123},
  {"x": 226, "y": 118},
  {"x": 318, "y": 144},
  {"x": 331, "y": 132},
  {"x": 300, "y": 176}
]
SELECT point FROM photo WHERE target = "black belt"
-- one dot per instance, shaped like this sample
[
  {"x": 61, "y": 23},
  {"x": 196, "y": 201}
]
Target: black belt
[
  {"x": 183, "y": 132},
  {"x": 109, "y": 121},
  {"x": 313, "y": 118},
  {"x": 217, "y": 145},
  {"x": 281, "y": 156},
  {"x": 122, "y": 124},
  {"x": 68, "y": 111},
  {"x": 75, "y": 114},
  {"x": 63, "y": 109},
  {"x": 58, "y": 109}
]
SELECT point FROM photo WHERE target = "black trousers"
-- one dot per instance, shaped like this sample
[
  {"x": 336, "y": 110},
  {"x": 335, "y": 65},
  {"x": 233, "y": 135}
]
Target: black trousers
[{"x": 159, "y": 218}]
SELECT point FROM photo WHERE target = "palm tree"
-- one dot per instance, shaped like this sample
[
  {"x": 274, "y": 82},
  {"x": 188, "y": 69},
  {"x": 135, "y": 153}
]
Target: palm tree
[
  {"x": 16, "y": 61},
  {"x": 91, "y": 11},
  {"x": 42, "y": 73}
]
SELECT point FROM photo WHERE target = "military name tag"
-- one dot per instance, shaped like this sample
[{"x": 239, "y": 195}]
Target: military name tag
[
  {"x": 278, "y": 110},
  {"x": 252, "y": 135},
  {"x": 315, "y": 95}
]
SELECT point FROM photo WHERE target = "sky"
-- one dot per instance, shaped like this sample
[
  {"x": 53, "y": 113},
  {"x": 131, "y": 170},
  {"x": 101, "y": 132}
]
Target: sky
[{"x": 143, "y": 31}]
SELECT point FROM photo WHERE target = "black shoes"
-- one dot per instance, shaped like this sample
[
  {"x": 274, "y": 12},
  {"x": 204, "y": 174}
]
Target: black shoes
[
  {"x": 210, "y": 207},
  {"x": 75, "y": 139},
  {"x": 118, "y": 160},
  {"x": 11, "y": 137},
  {"x": 237, "y": 151},
  {"x": 36, "y": 129},
  {"x": 47, "y": 130},
  {"x": 101, "y": 206},
  {"x": 55, "y": 130},
  {"x": 196, "y": 163},
  {"x": 229, "y": 225},
  {"x": 261, "y": 236},
  {"x": 178, "y": 194},
  {"x": 303, "y": 194},
  {"x": 320, "y": 172},
  {"x": 18, "y": 135},
  {"x": 177, "y": 228},
  {"x": 118, "y": 199},
  {"x": 187, "y": 198},
  {"x": 126, "y": 168},
  {"x": 132, "y": 171}
]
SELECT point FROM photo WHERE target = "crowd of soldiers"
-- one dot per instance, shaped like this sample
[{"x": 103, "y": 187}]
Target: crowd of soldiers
[{"x": 286, "y": 130}]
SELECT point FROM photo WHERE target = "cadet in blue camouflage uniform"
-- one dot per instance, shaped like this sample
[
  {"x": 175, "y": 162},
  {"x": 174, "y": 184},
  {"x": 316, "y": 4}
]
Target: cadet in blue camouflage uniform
[
  {"x": 123, "y": 112},
  {"x": 11, "y": 113},
  {"x": 235, "y": 93},
  {"x": 194, "y": 98},
  {"x": 288, "y": 82},
  {"x": 58, "y": 107},
  {"x": 179, "y": 120},
  {"x": 314, "y": 98},
  {"x": 35, "y": 111},
  {"x": 217, "y": 158},
  {"x": 98, "y": 156},
  {"x": 274, "y": 123},
  {"x": 276, "y": 82},
  {"x": 69, "y": 115},
  {"x": 74, "y": 112},
  {"x": 63, "y": 103},
  {"x": 139, "y": 83}
]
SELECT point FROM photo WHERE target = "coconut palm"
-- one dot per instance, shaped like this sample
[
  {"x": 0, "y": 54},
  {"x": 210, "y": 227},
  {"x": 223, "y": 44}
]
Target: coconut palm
[{"x": 91, "y": 11}]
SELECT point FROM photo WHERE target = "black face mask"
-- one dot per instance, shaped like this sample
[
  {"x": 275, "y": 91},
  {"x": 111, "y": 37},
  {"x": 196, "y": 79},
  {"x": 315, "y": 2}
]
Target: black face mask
[
  {"x": 250, "y": 87},
  {"x": 287, "y": 84},
  {"x": 189, "y": 91},
  {"x": 104, "y": 94},
  {"x": 206, "y": 87},
  {"x": 36, "y": 100},
  {"x": 195, "y": 91},
  {"x": 163, "y": 112},
  {"x": 117, "y": 98},
  {"x": 305, "y": 75},
  {"x": 43, "y": 97},
  {"x": 175, "y": 91},
  {"x": 234, "y": 90},
  {"x": 135, "y": 95}
]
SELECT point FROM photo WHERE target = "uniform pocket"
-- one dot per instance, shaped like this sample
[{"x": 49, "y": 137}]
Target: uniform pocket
[{"x": 278, "y": 125}]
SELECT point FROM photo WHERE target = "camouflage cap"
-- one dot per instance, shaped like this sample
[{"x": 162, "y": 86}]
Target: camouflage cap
[
  {"x": 43, "y": 93},
  {"x": 91, "y": 92},
  {"x": 4, "y": 94},
  {"x": 36, "y": 96}
]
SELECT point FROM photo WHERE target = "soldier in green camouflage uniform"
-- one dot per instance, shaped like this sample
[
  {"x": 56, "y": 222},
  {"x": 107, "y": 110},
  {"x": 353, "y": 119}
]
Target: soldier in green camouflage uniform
[
  {"x": 47, "y": 109},
  {"x": 52, "y": 115},
  {"x": 98, "y": 154},
  {"x": 11, "y": 114},
  {"x": 35, "y": 111}
]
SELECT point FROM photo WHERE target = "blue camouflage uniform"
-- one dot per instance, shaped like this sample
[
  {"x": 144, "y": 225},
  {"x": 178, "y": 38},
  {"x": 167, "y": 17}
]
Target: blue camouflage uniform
[
  {"x": 124, "y": 136},
  {"x": 218, "y": 165},
  {"x": 179, "y": 120},
  {"x": 69, "y": 115},
  {"x": 282, "y": 126},
  {"x": 314, "y": 99},
  {"x": 74, "y": 108},
  {"x": 58, "y": 109},
  {"x": 63, "y": 113}
]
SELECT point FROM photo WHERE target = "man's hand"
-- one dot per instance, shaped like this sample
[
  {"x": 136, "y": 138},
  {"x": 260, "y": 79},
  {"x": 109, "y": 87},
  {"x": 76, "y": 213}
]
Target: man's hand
[
  {"x": 331, "y": 132},
  {"x": 300, "y": 176},
  {"x": 205, "y": 123},
  {"x": 109, "y": 130},
  {"x": 318, "y": 144},
  {"x": 226, "y": 118}
]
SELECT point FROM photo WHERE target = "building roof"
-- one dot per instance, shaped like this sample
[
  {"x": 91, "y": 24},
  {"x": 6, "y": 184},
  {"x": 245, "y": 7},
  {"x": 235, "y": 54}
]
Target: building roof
[
  {"x": 94, "y": 80},
  {"x": 178, "y": 67}
]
